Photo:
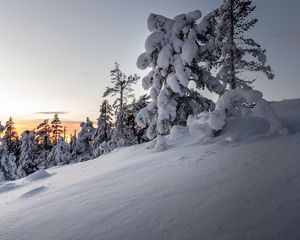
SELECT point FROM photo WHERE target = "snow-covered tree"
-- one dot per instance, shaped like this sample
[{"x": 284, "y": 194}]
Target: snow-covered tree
[
  {"x": 8, "y": 166},
  {"x": 83, "y": 150},
  {"x": 139, "y": 104},
  {"x": 105, "y": 147},
  {"x": 104, "y": 126},
  {"x": 60, "y": 154},
  {"x": 238, "y": 53},
  {"x": 56, "y": 129},
  {"x": 43, "y": 136},
  {"x": 10, "y": 140},
  {"x": 136, "y": 106},
  {"x": 73, "y": 141},
  {"x": 122, "y": 87},
  {"x": 9, "y": 151},
  {"x": 177, "y": 53},
  {"x": 129, "y": 128},
  {"x": 2, "y": 128},
  {"x": 28, "y": 162}
]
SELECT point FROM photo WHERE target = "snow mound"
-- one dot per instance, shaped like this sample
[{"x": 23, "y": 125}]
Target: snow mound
[
  {"x": 5, "y": 187},
  {"x": 38, "y": 175},
  {"x": 33, "y": 192}
]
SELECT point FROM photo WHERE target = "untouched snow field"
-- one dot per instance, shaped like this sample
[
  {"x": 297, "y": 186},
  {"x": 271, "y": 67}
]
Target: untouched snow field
[{"x": 241, "y": 185}]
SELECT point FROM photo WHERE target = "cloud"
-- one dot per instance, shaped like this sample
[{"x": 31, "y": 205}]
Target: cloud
[{"x": 52, "y": 112}]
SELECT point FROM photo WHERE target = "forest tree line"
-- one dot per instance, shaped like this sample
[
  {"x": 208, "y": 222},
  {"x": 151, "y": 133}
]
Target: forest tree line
[{"x": 47, "y": 145}]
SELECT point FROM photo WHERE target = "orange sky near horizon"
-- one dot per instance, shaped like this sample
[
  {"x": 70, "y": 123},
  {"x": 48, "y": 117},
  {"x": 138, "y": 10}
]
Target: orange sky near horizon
[{"x": 22, "y": 125}]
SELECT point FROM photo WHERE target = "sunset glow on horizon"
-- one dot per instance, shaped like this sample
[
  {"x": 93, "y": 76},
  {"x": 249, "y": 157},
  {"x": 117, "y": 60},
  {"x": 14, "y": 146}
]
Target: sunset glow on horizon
[{"x": 22, "y": 125}]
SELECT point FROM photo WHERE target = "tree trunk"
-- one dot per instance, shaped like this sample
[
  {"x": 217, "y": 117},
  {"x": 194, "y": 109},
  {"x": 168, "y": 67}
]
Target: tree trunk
[
  {"x": 232, "y": 81},
  {"x": 121, "y": 110}
]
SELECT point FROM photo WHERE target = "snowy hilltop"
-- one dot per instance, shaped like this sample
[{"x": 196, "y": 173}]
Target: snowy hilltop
[
  {"x": 243, "y": 184},
  {"x": 171, "y": 164}
]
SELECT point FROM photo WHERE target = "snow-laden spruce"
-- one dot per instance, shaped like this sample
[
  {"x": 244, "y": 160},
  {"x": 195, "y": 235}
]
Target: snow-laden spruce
[
  {"x": 104, "y": 127},
  {"x": 43, "y": 136},
  {"x": 8, "y": 152},
  {"x": 176, "y": 53},
  {"x": 29, "y": 161},
  {"x": 83, "y": 150},
  {"x": 60, "y": 154}
]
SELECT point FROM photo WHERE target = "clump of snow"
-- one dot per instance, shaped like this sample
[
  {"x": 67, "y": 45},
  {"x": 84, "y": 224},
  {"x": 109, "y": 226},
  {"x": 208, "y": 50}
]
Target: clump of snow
[
  {"x": 151, "y": 144},
  {"x": 229, "y": 139},
  {"x": 200, "y": 125},
  {"x": 143, "y": 61},
  {"x": 159, "y": 23},
  {"x": 189, "y": 51},
  {"x": 164, "y": 56},
  {"x": 194, "y": 15},
  {"x": 154, "y": 42},
  {"x": 217, "y": 119},
  {"x": 173, "y": 82},
  {"x": 177, "y": 132},
  {"x": 161, "y": 144}
]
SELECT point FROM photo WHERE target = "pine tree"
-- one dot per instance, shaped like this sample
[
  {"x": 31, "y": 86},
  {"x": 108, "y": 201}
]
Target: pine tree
[
  {"x": 122, "y": 86},
  {"x": 43, "y": 136},
  {"x": 60, "y": 154},
  {"x": 10, "y": 139},
  {"x": 2, "y": 128},
  {"x": 238, "y": 53},
  {"x": 73, "y": 141},
  {"x": 57, "y": 129},
  {"x": 104, "y": 125},
  {"x": 8, "y": 166},
  {"x": 177, "y": 51},
  {"x": 139, "y": 104},
  {"x": 129, "y": 128},
  {"x": 28, "y": 162},
  {"x": 83, "y": 150},
  {"x": 9, "y": 152}
]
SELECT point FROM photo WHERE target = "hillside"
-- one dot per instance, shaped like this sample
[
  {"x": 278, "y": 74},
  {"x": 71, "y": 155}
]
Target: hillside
[{"x": 241, "y": 185}]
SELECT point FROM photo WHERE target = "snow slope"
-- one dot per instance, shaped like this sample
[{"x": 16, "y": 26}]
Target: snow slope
[{"x": 241, "y": 185}]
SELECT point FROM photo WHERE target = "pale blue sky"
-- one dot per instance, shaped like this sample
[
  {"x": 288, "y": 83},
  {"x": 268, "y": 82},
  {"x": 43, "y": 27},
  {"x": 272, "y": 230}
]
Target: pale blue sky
[{"x": 55, "y": 55}]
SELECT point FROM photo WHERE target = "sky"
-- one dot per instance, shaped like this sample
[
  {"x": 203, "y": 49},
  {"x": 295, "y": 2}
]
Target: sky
[{"x": 56, "y": 55}]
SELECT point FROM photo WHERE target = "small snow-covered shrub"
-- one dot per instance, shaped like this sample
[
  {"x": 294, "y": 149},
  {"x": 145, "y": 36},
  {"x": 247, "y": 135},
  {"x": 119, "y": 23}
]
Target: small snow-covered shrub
[{"x": 231, "y": 104}]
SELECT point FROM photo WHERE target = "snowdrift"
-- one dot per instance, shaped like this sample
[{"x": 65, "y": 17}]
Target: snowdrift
[{"x": 244, "y": 184}]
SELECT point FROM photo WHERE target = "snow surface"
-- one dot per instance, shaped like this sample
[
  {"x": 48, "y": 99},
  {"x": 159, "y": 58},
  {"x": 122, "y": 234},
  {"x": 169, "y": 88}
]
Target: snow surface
[{"x": 243, "y": 184}]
